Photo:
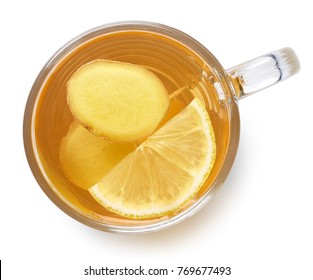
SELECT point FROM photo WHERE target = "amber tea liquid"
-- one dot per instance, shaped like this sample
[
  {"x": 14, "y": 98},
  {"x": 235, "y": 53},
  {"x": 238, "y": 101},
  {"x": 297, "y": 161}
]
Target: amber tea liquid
[{"x": 185, "y": 75}]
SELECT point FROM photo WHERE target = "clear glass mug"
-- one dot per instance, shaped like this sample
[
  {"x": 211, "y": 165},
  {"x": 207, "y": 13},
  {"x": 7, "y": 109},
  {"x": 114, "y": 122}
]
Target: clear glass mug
[{"x": 181, "y": 63}]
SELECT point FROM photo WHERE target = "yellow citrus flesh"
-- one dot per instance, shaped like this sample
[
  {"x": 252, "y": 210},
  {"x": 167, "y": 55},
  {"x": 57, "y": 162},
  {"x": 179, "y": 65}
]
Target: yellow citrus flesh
[
  {"x": 86, "y": 158},
  {"x": 120, "y": 101},
  {"x": 165, "y": 171}
]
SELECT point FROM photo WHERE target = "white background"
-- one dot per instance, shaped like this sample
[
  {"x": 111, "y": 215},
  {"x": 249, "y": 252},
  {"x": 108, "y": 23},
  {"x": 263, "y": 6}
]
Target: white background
[{"x": 260, "y": 223}]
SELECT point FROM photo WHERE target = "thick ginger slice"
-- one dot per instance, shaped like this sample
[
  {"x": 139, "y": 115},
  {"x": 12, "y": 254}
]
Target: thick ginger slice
[
  {"x": 86, "y": 158},
  {"x": 119, "y": 101}
]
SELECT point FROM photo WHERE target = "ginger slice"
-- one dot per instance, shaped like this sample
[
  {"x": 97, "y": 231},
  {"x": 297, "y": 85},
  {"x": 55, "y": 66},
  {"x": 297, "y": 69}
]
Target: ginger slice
[
  {"x": 116, "y": 100},
  {"x": 86, "y": 158}
]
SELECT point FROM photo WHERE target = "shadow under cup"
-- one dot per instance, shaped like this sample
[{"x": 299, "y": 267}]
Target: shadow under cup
[{"x": 179, "y": 61}]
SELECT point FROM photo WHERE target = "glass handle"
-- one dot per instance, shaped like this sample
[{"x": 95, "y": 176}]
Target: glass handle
[{"x": 264, "y": 71}]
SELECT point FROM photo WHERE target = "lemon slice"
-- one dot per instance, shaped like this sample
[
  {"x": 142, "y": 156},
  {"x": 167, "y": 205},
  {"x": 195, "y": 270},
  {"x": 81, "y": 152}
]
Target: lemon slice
[{"x": 165, "y": 171}]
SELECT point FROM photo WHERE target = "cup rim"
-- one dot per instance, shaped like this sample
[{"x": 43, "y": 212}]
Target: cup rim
[{"x": 83, "y": 38}]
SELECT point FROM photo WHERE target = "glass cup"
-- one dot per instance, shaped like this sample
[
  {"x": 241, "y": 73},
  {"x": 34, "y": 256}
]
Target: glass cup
[{"x": 184, "y": 66}]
